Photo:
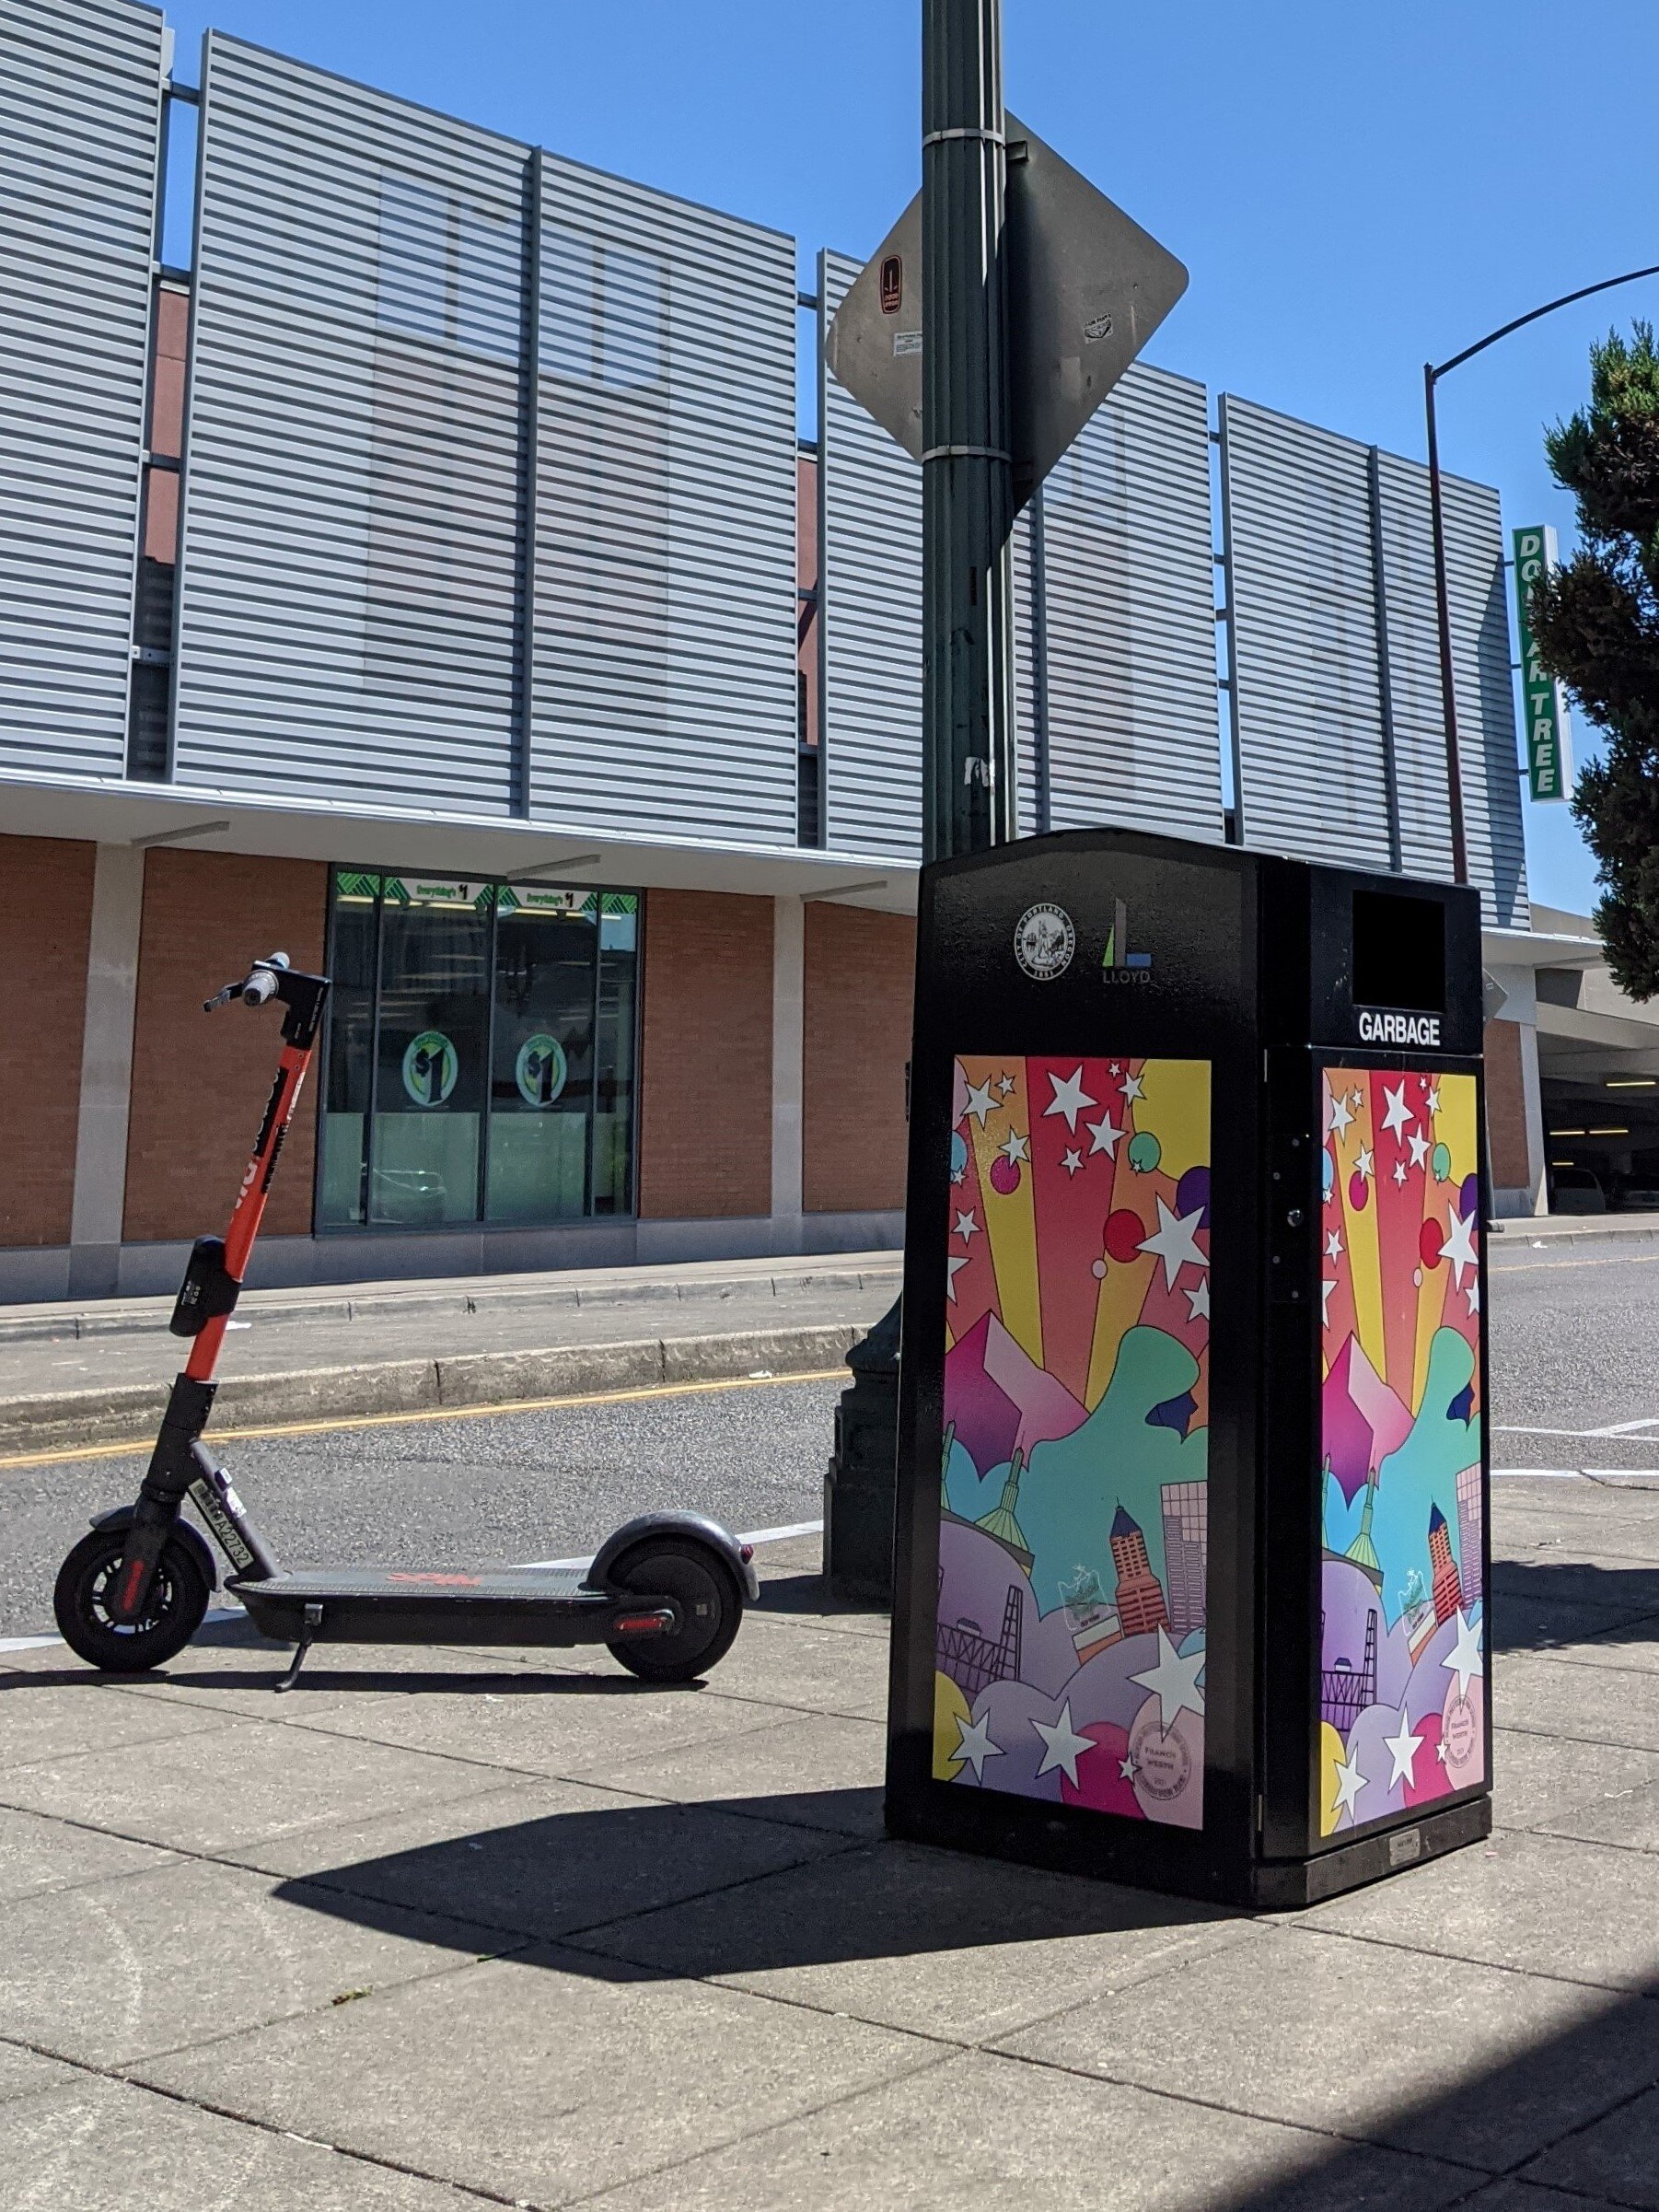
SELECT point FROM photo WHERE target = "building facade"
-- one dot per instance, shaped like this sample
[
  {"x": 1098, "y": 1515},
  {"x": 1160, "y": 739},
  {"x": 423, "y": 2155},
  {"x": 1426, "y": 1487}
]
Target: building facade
[{"x": 425, "y": 574}]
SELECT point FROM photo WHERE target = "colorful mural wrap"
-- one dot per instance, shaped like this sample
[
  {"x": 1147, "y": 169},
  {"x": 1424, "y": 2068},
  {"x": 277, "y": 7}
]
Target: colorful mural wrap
[
  {"x": 1068, "y": 1645},
  {"x": 1402, "y": 1687}
]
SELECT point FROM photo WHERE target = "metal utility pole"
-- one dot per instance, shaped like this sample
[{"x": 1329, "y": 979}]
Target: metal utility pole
[
  {"x": 969, "y": 786},
  {"x": 1432, "y": 374},
  {"x": 970, "y": 791}
]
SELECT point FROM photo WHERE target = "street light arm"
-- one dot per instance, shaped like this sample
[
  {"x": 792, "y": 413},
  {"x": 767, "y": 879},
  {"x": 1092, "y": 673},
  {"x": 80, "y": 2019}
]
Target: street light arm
[{"x": 1520, "y": 322}]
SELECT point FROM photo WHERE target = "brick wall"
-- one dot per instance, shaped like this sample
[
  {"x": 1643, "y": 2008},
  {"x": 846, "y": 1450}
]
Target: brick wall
[
  {"x": 199, "y": 1081},
  {"x": 1505, "y": 1107},
  {"x": 859, "y": 976},
  {"x": 705, "y": 1056},
  {"x": 45, "y": 921}
]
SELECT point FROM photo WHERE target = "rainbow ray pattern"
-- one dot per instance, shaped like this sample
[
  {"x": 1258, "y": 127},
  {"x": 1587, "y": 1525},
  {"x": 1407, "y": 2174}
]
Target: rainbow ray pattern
[
  {"x": 1402, "y": 1669},
  {"x": 1070, "y": 1633}
]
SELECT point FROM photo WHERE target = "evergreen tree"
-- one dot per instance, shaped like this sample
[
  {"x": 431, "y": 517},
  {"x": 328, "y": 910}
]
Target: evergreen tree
[{"x": 1595, "y": 623}]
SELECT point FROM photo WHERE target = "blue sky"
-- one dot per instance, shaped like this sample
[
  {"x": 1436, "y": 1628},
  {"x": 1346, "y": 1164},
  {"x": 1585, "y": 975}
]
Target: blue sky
[{"x": 1354, "y": 189}]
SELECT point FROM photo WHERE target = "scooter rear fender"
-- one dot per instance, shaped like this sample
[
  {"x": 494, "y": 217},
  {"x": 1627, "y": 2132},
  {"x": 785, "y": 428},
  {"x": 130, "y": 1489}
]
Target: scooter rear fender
[{"x": 695, "y": 1526}]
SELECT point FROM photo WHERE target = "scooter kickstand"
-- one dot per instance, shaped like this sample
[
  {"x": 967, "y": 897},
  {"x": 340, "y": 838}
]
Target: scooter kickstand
[{"x": 307, "y": 1637}]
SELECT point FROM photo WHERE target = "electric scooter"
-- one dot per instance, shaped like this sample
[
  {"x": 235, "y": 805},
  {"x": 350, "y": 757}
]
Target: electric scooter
[{"x": 665, "y": 1592}]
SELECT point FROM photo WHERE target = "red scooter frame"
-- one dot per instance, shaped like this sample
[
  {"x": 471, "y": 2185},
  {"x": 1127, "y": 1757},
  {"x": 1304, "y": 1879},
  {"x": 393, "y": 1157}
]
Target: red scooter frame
[{"x": 180, "y": 1466}]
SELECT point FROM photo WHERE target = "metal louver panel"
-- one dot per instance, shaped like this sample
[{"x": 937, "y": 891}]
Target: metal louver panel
[
  {"x": 1340, "y": 742},
  {"x": 1309, "y": 741},
  {"x": 79, "y": 131},
  {"x": 1487, "y": 758},
  {"x": 348, "y": 624},
  {"x": 1134, "y": 736},
  {"x": 663, "y": 694},
  {"x": 870, "y": 617}
]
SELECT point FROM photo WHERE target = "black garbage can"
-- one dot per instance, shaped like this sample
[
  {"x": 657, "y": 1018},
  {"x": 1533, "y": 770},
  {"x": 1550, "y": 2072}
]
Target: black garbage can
[{"x": 1191, "y": 1559}]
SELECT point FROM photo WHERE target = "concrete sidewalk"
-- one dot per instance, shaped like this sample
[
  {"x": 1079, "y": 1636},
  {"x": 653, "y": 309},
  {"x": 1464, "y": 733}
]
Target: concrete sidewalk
[
  {"x": 100, "y": 1373},
  {"x": 459, "y": 1929}
]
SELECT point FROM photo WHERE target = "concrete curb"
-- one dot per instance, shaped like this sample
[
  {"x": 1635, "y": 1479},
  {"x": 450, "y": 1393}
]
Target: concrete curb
[
  {"x": 465, "y": 1296},
  {"x": 1590, "y": 1228},
  {"x": 131, "y": 1411}
]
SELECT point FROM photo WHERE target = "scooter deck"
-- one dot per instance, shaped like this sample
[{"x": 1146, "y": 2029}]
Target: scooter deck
[{"x": 376, "y": 1605}]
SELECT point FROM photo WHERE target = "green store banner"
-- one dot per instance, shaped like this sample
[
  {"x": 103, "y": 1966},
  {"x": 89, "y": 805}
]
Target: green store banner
[{"x": 1549, "y": 757}]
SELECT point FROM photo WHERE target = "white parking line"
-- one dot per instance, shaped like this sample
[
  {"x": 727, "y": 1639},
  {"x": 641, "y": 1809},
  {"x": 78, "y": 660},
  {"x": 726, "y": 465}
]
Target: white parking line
[{"x": 795, "y": 1528}]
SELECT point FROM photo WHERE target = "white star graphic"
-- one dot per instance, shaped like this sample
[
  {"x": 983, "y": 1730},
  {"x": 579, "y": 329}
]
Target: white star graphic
[
  {"x": 1007, "y": 1086},
  {"x": 1473, "y": 1296},
  {"x": 953, "y": 1266},
  {"x": 979, "y": 1102},
  {"x": 1132, "y": 1089},
  {"x": 1175, "y": 1241},
  {"x": 1459, "y": 1247},
  {"x": 1419, "y": 1147},
  {"x": 1349, "y": 1782},
  {"x": 1106, "y": 1135},
  {"x": 1015, "y": 1149},
  {"x": 1198, "y": 1303},
  {"x": 1402, "y": 1749},
  {"x": 1358, "y": 1097},
  {"x": 1116, "y": 1068},
  {"x": 1340, "y": 1116},
  {"x": 1399, "y": 1113},
  {"x": 966, "y": 1228},
  {"x": 1172, "y": 1681},
  {"x": 1400, "y": 1172},
  {"x": 1069, "y": 1098},
  {"x": 1432, "y": 1101},
  {"x": 1126, "y": 1767},
  {"x": 1071, "y": 1162},
  {"x": 1065, "y": 1747},
  {"x": 1364, "y": 1163},
  {"x": 1333, "y": 1245},
  {"x": 974, "y": 1744},
  {"x": 1465, "y": 1657},
  {"x": 1325, "y": 1291}
]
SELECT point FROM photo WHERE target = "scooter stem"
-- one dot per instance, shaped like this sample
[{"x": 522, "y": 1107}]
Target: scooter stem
[{"x": 213, "y": 1283}]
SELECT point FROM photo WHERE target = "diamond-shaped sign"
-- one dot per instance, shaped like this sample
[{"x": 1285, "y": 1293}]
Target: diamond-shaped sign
[{"x": 1086, "y": 288}]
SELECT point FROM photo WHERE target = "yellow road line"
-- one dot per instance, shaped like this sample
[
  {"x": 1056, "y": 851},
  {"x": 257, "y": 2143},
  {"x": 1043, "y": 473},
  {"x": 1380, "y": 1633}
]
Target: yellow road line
[
  {"x": 1623, "y": 1259},
  {"x": 432, "y": 1413}
]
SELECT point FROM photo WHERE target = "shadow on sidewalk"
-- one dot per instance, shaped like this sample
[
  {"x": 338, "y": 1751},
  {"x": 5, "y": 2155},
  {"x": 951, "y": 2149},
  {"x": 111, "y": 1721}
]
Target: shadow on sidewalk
[
  {"x": 675, "y": 1889},
  {"x": 1538, "y": 1605}
]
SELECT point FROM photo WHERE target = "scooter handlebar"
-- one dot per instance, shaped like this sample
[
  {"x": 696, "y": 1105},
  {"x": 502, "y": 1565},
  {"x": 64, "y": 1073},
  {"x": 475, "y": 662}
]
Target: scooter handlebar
[{"x": 255, "y": 988}]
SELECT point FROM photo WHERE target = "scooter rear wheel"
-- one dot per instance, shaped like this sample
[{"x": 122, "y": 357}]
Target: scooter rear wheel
[
  {"x": 172, "y": 1614},
  {"x": 711, "y": 1609}
]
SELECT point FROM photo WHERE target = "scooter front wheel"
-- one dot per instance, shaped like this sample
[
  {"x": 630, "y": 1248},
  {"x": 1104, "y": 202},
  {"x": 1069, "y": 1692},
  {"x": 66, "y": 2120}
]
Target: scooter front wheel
[
  {"x": 710, "y": 1604},
  {"x": 172, "y": 1614}
]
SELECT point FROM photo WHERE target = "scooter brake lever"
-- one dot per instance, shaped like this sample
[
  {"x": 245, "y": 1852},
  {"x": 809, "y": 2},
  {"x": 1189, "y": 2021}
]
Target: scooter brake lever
[{"x": 221, "y": 998}]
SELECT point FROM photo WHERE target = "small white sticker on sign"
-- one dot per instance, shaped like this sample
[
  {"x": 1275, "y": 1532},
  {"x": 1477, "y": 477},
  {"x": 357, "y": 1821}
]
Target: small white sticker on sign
[
  {"x": 1405, "y": 1847},
  {"x": 906, "y": 342}
]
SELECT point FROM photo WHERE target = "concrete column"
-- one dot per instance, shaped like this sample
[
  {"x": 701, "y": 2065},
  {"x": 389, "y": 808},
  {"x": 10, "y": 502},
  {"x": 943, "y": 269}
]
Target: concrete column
[
  {"x": 100, "y": 1152},
  {"x": 1539, "y": 1191},
  {"x": 788, "y": 1053}
]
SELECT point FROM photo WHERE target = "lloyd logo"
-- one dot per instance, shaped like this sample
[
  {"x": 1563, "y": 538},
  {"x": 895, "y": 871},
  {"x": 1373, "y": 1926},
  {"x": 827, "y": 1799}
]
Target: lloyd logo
[
  {"x": 1117, "y": 964},
  {"x": 1398, "y": 1029}
]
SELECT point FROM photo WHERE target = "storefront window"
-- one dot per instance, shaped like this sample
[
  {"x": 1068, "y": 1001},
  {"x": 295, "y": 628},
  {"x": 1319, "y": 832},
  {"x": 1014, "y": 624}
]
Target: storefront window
[{"x": 480, "y": 1053}]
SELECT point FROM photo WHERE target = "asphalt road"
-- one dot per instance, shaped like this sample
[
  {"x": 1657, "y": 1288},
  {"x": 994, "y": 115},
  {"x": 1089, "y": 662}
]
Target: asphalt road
[{"x": 1574, "y": 1341}]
